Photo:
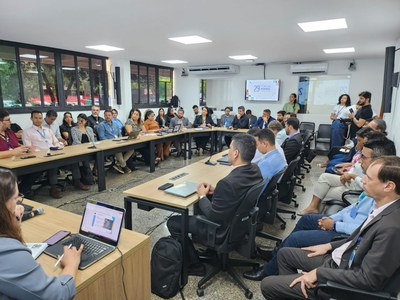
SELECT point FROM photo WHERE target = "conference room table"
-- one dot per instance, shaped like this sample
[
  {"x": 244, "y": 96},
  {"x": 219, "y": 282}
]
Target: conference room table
[
  {"x": 104, "y": 279},
  {"x": 148, "y": 196}
]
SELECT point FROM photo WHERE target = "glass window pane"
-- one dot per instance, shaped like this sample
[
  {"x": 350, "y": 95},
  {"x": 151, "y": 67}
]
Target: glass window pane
[
  {"x": 98, "y": 82},
  {"x": 162, "y": 92},
  {"x": 85, "y": 95},
  {"x": 152, "y": 85},
  {"x": 9, "y": 84},
  {"x": 144, "y": 91},
  {"x": 69, "y": 80},
  {"x": 30, "y": 78},
  {"x": 49, "y": 79},
  {"x": 135, "y": 83},
  {"x": 163, "y": 79}
]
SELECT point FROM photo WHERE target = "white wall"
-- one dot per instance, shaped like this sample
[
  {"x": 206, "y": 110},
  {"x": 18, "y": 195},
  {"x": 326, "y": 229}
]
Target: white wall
[{"x": 229, "y": 91}]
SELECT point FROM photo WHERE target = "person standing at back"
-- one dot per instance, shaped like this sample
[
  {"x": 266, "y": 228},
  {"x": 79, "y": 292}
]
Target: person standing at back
[{"x": 292, "y": 106}]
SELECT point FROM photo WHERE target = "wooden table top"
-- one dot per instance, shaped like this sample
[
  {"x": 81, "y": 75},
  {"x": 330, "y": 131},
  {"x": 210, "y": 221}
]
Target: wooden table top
[{"x": 198, "y": 172}]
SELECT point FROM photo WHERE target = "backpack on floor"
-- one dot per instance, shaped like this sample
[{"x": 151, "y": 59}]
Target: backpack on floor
[{"x": 166, "y": 267}]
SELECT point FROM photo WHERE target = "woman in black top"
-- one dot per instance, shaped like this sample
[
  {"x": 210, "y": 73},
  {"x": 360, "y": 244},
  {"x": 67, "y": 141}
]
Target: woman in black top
[
  {"x": 162, "y": 119},
  {"x": 66, "y": 127},
  {"x": 202, "y": 121},
  {"x": 170, "y": 115}
]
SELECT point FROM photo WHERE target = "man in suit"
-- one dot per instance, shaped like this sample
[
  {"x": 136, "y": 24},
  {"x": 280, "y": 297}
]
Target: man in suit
[
  {"x": 264, "y": 120},
  {"x": 219, "y": 203},
  {"x": 365, "y": 260},
  {"x": 240, "y": 121},
  {"x": 292, "y": 145}
]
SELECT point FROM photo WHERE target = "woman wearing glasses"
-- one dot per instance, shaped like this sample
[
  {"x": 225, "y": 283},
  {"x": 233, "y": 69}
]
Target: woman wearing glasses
[{"x": 20, "y": 276}]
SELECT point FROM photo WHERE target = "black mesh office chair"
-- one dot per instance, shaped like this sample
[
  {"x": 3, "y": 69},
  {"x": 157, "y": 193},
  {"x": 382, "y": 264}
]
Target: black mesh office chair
[
  {"x": 285, "y": 188},
  {"x": 239, "y": 235},
  {"x": 310, "y": 126},
  {"x": 267, "y": 204},
  {"x": 336, "y": 290}
]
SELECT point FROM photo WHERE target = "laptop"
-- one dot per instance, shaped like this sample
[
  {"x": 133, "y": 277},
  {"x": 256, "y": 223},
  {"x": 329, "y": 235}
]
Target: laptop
[
  {"x": 224, "y": 160},
  {"x": 184, "y": 189},
  {"x": 99, "y": 232},
  {"x": 176, "y": 128}
]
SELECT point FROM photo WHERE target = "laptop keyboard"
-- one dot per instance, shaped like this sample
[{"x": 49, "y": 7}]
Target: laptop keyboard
[{"x": 90, "y": 248}]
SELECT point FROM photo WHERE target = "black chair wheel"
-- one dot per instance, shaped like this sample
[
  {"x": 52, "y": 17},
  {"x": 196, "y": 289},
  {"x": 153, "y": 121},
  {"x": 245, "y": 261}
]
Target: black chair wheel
[
  {"x": 294, "y": 197},
  {"x": 200, "y": 292},
  {"x": 303, "y": 189},
  {"x": 296, "y": 205},
  {"x": 283, "y": 226},
  {"x": 303, "y": 176},
  {"x": 293, "y": 217},
  {"x": 248, "y": 294},
  {"x": 308, "y": 171}
]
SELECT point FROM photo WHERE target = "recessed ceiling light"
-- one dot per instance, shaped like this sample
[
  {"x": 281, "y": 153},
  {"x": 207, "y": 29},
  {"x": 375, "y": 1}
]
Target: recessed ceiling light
[
  {"x": 243, "y": 57},
  {"x": 188, "y": 40},
  {"x": 339, "y": 50},
  {"x": 323, "y": 25},
  {"x": 106, "y": 48},
  {"x": 32, "y": 56},
  {"x": 174, "y": 61}
]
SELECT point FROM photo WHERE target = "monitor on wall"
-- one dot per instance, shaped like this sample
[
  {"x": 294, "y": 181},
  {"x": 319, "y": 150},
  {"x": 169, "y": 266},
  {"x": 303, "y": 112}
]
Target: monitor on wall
[{"x": 262, "y": 90}]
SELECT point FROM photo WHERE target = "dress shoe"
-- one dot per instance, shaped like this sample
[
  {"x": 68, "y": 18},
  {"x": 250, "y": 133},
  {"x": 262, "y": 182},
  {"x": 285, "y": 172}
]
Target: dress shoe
[
  {"x": 256, "y": 275},
  {"x": 55, "y": 193},
  {"x": 81, "y": 186},
  {"x": 197, "y": 269},
  {"x": 264, "y": 254}
]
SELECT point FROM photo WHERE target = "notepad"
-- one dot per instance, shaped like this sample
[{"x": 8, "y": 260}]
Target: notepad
[{"x": 36, "y": 248}]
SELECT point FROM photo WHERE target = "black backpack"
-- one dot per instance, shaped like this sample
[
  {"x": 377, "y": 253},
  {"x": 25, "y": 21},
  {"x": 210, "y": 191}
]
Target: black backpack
[{"x": 166, "y": 267}]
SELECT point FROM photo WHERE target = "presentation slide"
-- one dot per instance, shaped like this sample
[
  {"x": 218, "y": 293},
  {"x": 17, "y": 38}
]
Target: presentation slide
[{"x": 262, "y": 90}]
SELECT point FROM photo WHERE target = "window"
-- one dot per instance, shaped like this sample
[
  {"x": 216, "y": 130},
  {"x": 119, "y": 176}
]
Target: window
[
  {"x": 42, "y": 77},
  {"x": 151, "y": 85}
]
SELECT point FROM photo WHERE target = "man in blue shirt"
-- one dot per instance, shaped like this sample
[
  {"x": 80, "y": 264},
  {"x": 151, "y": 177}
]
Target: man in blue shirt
[
  {"x": 272, "y": 160},
  {"x": 316, "y": 229},
  {"x": 108, "y": 130}
]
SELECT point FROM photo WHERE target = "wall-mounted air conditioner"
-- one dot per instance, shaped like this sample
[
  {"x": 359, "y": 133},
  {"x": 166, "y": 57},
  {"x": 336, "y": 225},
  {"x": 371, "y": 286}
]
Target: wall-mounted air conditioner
[
  {"x": 309, "y": 68},
  {"x": 214, "y": 69}
]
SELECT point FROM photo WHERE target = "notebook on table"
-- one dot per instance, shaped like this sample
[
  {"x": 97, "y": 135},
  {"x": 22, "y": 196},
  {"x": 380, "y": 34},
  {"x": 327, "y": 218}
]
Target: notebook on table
[
  {"x": 99, "y": 232},
  {"x": 184, "y": 189}
]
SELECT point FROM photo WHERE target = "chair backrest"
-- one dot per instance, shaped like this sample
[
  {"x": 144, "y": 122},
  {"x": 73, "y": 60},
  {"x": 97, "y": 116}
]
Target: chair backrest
[
  {"x": 267, "y": 197},
  {"x": 324, "y": 131},
  {"x": 237, "y": 231},
  {"x": 307, "y": 126},
  {"x": 286, "y": 185}
]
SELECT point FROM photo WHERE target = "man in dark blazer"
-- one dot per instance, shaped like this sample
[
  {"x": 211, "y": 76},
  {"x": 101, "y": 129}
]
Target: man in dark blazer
[
  {"x": 240, "y": 121},
  {"x": 365, "y": 260},
  {"x": 292, "y": 145},
  {"x": 219, "y": 203}
]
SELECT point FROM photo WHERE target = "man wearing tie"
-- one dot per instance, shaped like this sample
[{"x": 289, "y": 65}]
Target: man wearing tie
[{"x": 366, "y": 260}]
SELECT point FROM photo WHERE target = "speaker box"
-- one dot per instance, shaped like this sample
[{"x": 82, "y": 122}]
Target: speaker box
[
  {"x": 117, "y": 85},
  {"x": 388, "y": 80}
]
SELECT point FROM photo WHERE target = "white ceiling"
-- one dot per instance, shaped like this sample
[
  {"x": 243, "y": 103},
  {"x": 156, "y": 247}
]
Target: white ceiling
[{"x": 264, "y": 28}]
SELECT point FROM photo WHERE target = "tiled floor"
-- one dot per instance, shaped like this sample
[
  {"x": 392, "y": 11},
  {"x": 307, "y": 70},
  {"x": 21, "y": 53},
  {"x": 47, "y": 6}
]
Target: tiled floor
[{"x": 221, "y": 287}]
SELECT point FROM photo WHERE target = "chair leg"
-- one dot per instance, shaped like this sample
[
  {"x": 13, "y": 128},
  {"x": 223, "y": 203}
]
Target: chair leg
[
  {"x": 243, "y": 263},
  {"x": 216, "y": 269},
  {"x": 283, "y": 225},
  {"x": 268, "y": 236},
  {"x": 238, "y": 279}
]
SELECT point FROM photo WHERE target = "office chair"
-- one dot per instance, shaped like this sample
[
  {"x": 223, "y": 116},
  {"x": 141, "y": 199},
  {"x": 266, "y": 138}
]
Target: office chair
[
  {"x": 308, "y": 136},
  {"x": 285, "y": 188},
  {"x": 267, "y": 204},
  {"x": 323, "y": 138},
  {"x": 333, "y": 206},
  {"x": 304, "y": 126},
  {"x": 340, "y": 291},
  {"x": 239, "y": 235}
]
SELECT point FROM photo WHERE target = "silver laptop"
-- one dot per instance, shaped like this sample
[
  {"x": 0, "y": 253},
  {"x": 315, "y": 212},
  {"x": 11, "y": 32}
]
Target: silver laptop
[
  {"x": 184, "y": 189},
  {"x": 99, "y": 232},
  {"x": 133, "y": 135},
  {"x": 177, "y": 128}
]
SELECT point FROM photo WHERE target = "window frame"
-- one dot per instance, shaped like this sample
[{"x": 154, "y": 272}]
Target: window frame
[
  {"x": 59, "y": 79},
  {"x": 147, "y": 104}
]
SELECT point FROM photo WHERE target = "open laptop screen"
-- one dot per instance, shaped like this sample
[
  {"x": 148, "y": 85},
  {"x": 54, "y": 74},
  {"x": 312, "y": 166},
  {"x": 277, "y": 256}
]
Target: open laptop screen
[{"x": 102, "y": 221}]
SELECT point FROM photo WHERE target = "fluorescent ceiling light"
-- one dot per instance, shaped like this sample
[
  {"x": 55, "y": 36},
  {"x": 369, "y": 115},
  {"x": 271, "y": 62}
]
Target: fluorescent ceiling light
[
  {"x": 188, "y": 40},
  {"x": 106, "y": 48},
  {"x": 32, "y": 56},
  {"x": 174, "y": 61},
  {"x": 68, "y": 68},
  {"x": 323, "y": 25},
  {"x": 243, "y": 57},
  {"x": 339, "y": 50}
]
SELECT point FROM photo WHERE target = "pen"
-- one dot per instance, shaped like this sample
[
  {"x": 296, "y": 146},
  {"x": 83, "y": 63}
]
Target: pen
[{"x": 61, "y": 257}]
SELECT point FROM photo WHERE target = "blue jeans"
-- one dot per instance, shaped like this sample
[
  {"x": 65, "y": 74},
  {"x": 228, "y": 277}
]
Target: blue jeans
[
  {"x": 339, "y": 130},
  {"x": 306, "y": 233}
]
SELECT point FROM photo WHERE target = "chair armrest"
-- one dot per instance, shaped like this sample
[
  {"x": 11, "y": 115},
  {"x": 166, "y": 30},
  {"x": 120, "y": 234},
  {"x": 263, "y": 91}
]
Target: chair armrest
[
  {"x": 211, "y": 229},
  {"x": 350, "y": 193},
  {"x": 340, "y": 290}
]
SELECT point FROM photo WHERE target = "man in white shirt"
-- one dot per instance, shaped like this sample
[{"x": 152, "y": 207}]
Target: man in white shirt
[
  {"x": 366, "y": 260},
  {"x": 49, "y": 122}
]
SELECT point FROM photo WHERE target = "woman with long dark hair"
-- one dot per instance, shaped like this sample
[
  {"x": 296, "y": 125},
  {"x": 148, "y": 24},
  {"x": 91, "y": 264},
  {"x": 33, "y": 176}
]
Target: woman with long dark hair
[
  {"x": 202, "y": 121},
  {"x": 66, "y": 126},
  {"x": 292, "y": 106},
  {"x": 20, "y": 275},
  {"x": 339, "y": 116}
]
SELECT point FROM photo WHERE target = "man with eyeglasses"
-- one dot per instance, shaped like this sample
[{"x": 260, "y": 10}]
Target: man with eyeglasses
[
  {"x": 10, "y": 147},
  {"x": 331, "y": 187}
]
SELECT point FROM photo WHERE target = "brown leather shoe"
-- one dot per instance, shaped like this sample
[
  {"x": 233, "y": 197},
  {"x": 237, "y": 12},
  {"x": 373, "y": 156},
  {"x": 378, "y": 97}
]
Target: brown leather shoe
[
  {"x": 55, "y": 193},
  {"x": 81, "y": 186}
]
